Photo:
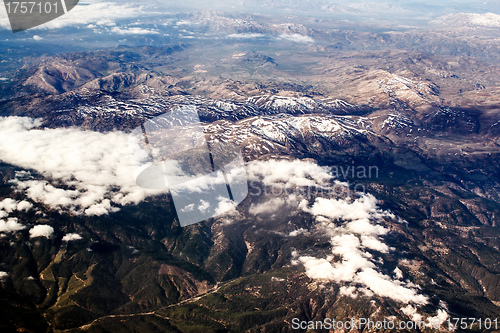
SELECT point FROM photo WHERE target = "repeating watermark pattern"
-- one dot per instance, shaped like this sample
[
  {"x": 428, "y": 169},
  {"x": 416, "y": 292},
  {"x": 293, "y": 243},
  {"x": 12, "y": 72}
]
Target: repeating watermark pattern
[
  {"x": 25, "y": 15},
  {"x": 350, "y": 181},
  {"x": 205, "y": 180}
]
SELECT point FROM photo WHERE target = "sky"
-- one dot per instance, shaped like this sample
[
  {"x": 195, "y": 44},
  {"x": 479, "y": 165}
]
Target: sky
[
  {"x": 99, "y": 12},
  {"x": 97, "y": 24}
]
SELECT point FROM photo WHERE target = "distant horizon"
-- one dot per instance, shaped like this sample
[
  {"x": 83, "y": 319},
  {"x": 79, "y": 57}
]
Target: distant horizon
[{"x": 392, "y": 12}]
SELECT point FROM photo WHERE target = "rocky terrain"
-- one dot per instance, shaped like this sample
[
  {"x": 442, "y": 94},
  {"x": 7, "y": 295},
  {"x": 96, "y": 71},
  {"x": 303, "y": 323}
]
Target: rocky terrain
[{"x": 386, "y": 160}]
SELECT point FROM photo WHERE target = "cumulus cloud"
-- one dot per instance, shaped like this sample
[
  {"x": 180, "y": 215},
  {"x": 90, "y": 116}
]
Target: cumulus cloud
[
  {"x": 184, "y": 22},
  {"x": 350, "y": 241},
  {"x": 227, "y": 210},
  {"x": 398, "y": 273},
  {"x": 352, "y": 224},
  {"x": 133, "y": 31},
  {"x": 357, "y": 266},
  {"x": 384, "y": 286},
  {"x": 373, "y": 243},
  {"x": 412, "y": 313},
  {"x": 297, "y": 38},
  {"x": 41, "y": 230},
  {"x": 8, "y": 205},
  {"x": 360, "y": 209},
  {"x": 85, "y": 172},
  {"x": 364, "y": 227},
  {"x": 24, "y": 206},
  {"x": 37, "y": 38},
  {"x": 274, "y": 204},
  {"x": 203, "y": 206},
  {"x": 71, "y": 237},
  {"x": 91, "y": 173},
  {"x": 349, "y": 291},
  {"x": 432, "y": 321},
  {"x": 354, "y": 231},
  {"x": 188, "y": 208},
  {"x": 246, "y": 36},
  {"x": 300, "y": 231},
  {"x": 11, "y": 225},
  {"x": 94, "y": 12},
  {"x": 289, "y": 174},
  {"x": 4, "y": 20},
  {"x": 438, "y": 319}
]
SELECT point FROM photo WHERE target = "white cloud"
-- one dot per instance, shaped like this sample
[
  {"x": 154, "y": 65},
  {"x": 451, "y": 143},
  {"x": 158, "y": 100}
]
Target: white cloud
[
  {"x": 24, "y": 206},
  {"x": 353, "y": 226},
  {"x": 438, "y": 319},
  {"x": 102, "y": 208},
  {"x": 296, "y": 38},
  {"x": 226, "y": 208},
  {"x": 298, "y": 232},
  {"x": 198, "y": 183},
  {"x": 319, "y": 268},
  {"x": 97, "y": 167},
  {"x": 364, "y": 227},
  {"x": 4, "y": 275},
  {"x": 8, "y": 205},
  {"x": 398, "y": 273},
  {"x": 11, "y": 225},
  {"x": 133, "y": 31},
  {"x": 272, "y": 205},
  {"x": 203, "y": 206},
  {"x": 87, "y": 172},
  {"x": 100, "y": 13},
  {"x": 71, "y": 237},
  {"x": 383, "y": 286},
  {"x": 41, "y": 230},
  {"x": 432, "y": 322},
  {"x": 184, "y": 22},
  {"x": 360, "y": 209},
  {"x": 348, "y": 291},
  {"x": 188, "y": 208},
  {"x": 37, "y": 38},
  {"x": 412, "y": 313},
  {"x": 288, "y": 174},
  {"x": 373, "y": 243},
  {"x": 246, "y": 36},
  {"x": 357, "y": 268}
]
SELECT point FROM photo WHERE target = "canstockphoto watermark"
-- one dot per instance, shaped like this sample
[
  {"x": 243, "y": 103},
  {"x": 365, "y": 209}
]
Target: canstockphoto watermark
[
  {"x": 337, "y": 189},
  {"x": 205, "y": 180},
  {"x": 25, "y": 15},
  {"x": 364, "y": 324}
]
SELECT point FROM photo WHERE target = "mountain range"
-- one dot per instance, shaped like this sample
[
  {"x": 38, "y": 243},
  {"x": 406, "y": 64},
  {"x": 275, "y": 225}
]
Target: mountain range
[{"x": 373, "y": 170}]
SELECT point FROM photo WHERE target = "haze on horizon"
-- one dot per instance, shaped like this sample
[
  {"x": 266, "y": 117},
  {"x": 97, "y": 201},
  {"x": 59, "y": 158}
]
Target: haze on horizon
[{"x": 389, "y": 12}]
